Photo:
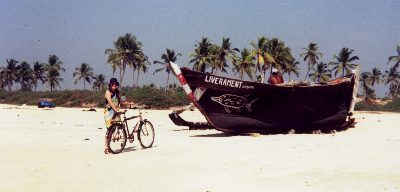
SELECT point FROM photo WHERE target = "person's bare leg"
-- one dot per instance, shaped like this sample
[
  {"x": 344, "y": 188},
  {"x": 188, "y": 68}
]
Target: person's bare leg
[{"x": 105, "y": 144}]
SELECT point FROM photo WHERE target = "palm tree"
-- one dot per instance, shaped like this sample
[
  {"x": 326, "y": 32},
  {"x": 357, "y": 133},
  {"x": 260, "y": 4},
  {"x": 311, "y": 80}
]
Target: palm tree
[
  {"x": 2, "y": 78},
  {"x": 168, "y": 57},
  {"x": 245, "y": 64},
  {"x": 280, "y": 55},
  {"x": 311, "y": 55},
  {"x": 99, "y": 81},
  {"x": 223, "y": 54},
  {"x": 84, "y": 72},
  {"x": 127, "y": 52},
  {"x": 376, "y": 76},
  {"x": 10, "y": 73},
  {"x": 53, "y": 69},
  {"x": 366, "y": 80},
  {"x": 201, "y": 55},
  {"x": 26, "y": 77},
  {"x": 113, "y": 59},
  {"x": 261, "y": 54},
  {"x": 396, "y": 58},
  {"x": 291, "y": 67},
  {"x": 392, "y": 77},
  {"x": 38, "y": 73},
  {"x": 343, "y": 62},
  {"x": 321, "y": 73},
  {"x": 142, "y": 67}
]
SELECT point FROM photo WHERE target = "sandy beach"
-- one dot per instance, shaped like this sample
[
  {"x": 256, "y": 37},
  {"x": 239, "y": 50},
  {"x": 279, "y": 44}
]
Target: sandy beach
[{"x": 61, "y": 149}]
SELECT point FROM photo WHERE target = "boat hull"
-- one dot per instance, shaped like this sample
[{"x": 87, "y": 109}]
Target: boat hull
[{"x": 232, "y": 105}]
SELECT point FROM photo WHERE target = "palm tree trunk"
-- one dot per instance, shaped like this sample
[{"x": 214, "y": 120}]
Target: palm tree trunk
[
  {"x": 167, "y": 79},
  {"x": 133, "y": 77},
  {"x": 84, "y": 85},
  {"x": 343, "y": 71},
  {"x": 308, "y": 71},
  {"x": 120, "y": 75},
  {"x": 137, "y": 78}
]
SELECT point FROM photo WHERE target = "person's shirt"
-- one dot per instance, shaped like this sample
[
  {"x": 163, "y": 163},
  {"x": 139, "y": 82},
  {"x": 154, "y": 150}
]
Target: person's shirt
[
  {"x": 275, "y": 79},
  {"x": 114, "y": 98}
]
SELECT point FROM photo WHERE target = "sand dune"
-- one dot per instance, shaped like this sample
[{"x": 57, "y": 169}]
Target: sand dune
[{"x": 61, "y": 149}]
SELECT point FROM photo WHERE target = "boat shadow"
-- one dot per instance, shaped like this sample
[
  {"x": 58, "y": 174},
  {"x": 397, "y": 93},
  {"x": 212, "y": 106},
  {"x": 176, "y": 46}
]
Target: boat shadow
[
  {"x": 280, "y": 132},
  {"x": 222, "y": 134}
]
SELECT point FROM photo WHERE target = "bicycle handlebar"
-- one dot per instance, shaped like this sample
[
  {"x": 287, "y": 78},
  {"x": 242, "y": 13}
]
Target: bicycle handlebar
[{"x": 121, "y": 112}]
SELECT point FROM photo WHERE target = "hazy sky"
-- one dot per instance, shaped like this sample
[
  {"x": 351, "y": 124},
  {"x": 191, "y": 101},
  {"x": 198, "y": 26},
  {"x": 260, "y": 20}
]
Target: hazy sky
[{"x": 79, "y": 31}]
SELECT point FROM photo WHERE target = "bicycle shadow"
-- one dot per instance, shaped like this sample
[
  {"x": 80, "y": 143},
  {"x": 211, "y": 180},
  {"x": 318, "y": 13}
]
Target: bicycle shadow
[
  {"x": 135, "y": 148},
  {"x": 129, "y": 149}
]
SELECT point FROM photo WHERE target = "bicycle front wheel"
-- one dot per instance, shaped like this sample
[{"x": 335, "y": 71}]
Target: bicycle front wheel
[
  {"x": 146, "y": 134},
  {"x": 116, "y": 138}
]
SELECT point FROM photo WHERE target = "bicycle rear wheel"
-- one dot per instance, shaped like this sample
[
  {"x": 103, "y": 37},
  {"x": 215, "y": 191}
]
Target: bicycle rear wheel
[
  {"x": 116, "y": 138},
  {"x": 146, "y": 134}
]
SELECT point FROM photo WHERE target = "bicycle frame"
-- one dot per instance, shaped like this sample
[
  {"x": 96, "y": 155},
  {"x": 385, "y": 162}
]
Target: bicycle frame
[
  {"x": 120, "y": 132},
  {"x": 136, "y": 127}
]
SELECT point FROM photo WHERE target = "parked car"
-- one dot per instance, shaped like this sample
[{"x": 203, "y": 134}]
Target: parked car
[{"x": 42, "y": 104}]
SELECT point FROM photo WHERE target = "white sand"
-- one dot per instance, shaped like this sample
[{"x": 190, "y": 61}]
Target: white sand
[{"x": 46, "y": 150}]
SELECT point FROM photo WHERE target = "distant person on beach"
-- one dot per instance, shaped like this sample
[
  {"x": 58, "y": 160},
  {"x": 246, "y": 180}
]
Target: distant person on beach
[
  {"x": 125, "y": 103},
  {"x": 112, "y": 102},
  {"x": 275, "y": 78},
  {"x": 123, "y": 98}
]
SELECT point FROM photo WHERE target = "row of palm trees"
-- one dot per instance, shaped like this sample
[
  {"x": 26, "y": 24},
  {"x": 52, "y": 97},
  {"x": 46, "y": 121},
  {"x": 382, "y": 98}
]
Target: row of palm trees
[
  {"x": 252, "y": 63},
  {"x": 391, "y": 77},
  {"x": 48, "y": 73}
]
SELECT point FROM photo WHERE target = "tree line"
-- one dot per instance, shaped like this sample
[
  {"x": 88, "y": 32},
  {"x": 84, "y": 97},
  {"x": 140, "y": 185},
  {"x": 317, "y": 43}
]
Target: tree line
[{"x": 254, "y": 63}]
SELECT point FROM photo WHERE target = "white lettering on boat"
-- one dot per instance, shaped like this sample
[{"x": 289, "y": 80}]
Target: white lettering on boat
[{"x": 224, "y": 82}]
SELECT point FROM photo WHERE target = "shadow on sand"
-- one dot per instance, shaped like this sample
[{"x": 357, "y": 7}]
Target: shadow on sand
[
  {"x": 331, "y": 130},
  {"x": 177, "y": 120},
  {"x": 135, "y": 148},
  {"x": 129, "y": 149}
]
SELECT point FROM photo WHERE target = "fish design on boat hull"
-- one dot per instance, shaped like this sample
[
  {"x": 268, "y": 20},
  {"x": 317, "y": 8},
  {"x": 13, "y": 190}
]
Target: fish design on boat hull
[{"x": 230, "y": 101}]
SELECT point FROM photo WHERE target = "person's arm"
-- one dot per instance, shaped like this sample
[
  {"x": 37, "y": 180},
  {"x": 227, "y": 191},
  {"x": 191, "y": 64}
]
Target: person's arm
[{"x": 109, "y": 101}]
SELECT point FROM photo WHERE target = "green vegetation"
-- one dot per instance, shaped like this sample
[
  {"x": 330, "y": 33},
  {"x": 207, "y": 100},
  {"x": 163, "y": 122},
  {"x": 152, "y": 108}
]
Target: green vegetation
[
  {"x": 148, "y": 95},
  {"x": 392, "y": 106}
]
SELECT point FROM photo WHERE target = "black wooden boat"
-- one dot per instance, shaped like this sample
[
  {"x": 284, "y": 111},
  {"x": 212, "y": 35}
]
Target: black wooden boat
[{"x": 237, "y": 106}]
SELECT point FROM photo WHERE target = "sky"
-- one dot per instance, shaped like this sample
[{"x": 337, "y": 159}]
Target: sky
[{"x": 80, "y": 31}]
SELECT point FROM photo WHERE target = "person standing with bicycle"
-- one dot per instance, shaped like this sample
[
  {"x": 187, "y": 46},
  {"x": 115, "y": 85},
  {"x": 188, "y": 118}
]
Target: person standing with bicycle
[{"x": 112, "y": 102}]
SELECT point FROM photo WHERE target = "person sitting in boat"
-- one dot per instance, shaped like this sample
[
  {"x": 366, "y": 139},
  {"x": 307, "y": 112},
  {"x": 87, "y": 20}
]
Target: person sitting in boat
[
  {"x": 260, "y": 79},
  {"x": 275, "y": 78}
]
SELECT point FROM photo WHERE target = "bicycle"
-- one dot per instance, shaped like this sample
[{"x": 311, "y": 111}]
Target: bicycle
[{"x": 118, "y": 133}]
